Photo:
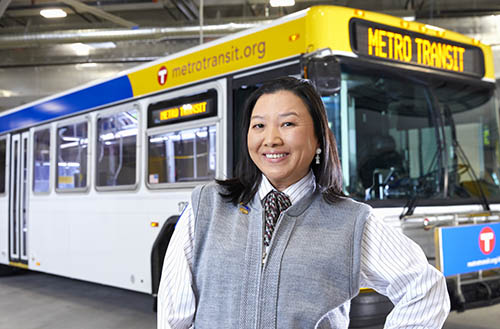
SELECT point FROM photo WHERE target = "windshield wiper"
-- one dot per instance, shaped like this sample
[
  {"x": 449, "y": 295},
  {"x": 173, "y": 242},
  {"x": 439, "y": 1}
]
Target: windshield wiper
[
  {"x": 464, "y": 158},
  {"x": 411, "y": 203},
  {"x": 410, "y": 206}
]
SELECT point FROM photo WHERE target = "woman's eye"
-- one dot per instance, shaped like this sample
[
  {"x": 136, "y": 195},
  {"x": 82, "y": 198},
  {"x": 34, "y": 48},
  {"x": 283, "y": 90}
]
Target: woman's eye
[
  {"x": 288, "y": 124},
  {"x": 258, "y": 125}
]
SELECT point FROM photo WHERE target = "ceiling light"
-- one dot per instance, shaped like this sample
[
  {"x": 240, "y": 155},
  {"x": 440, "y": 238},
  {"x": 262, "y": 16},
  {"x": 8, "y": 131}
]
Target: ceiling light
[
  {"x": 282, "y": 3},
  {"x": 53, "y": 13},
  {"x": 7, "y": 93}
]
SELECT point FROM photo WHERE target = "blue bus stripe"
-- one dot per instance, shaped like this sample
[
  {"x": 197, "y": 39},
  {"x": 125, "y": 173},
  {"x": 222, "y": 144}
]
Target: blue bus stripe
[{"x": 104, "y": 93}]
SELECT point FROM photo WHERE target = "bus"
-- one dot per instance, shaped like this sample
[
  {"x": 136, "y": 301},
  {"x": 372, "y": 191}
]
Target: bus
[{"x": 93, "y": 179}]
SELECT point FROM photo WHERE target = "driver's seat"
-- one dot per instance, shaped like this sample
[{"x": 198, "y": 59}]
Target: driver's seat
[{"x": 379, "y": 152}]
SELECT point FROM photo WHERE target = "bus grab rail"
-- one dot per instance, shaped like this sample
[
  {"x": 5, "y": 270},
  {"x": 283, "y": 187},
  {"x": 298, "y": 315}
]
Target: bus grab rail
[{"x": 432, "y": 220}]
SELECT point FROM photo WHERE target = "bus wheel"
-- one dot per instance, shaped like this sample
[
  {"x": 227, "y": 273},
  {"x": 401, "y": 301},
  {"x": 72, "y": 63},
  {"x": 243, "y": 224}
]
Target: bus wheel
[
  {"x": 158, "y": 254},
  {"x": 9, "y": 270},
  {"x": 369, "y": 308}
]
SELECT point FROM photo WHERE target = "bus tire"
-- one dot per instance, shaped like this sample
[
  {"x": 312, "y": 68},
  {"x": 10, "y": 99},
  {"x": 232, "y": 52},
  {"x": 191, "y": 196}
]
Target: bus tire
[
  {"x": 6, "y": 270},
  {"x": 369, "y": 308},
  {"x": 158, "y": 255}
]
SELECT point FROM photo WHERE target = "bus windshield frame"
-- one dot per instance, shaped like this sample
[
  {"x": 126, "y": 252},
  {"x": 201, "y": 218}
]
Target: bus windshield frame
[{"x": 404, "y": 136}]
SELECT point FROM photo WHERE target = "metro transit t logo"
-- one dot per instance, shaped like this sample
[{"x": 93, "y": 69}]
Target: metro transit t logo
[
  {"x": 486, "y": 240},
  {"x": 468, "y": 248},
  {"x": 162, "y": 75}
]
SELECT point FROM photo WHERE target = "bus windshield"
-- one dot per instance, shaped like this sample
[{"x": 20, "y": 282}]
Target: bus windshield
[
  {"x": 470, "y": 118},
  {"x": 402, "y": 139}
]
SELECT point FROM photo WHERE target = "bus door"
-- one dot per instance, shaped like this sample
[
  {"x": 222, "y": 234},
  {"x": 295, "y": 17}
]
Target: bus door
[{"x": 18, "y": 191}]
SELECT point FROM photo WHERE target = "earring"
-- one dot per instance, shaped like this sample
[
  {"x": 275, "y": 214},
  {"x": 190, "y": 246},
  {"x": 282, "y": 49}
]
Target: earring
[{"x": 318, "y": 152}]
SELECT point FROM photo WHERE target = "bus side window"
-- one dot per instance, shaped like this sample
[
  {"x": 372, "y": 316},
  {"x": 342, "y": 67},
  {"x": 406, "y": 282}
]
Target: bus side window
[
  {"x": 41, "y": 158},
  {"x": 182, "y": 156},
  {"x": 116, "y": 161},
  {"x": 71, "y": 156},
  {"x": 3, "y": 157}
]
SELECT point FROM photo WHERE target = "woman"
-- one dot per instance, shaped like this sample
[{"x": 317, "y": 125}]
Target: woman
[{"x": 279, "y": 246}]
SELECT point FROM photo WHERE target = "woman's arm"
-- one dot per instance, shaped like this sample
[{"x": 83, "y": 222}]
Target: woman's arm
[
  {"x": 176, "y": 301},
  {"x": 395, "y": 266}
]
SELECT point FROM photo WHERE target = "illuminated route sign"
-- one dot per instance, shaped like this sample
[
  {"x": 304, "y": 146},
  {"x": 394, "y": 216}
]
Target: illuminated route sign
[
  {"x": 183, "y": 109},
  {"x": 399, "y": 45}
]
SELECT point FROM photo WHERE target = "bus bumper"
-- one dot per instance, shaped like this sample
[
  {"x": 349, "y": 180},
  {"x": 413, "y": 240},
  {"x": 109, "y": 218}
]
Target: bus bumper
[{"x": 469, "y": 295}]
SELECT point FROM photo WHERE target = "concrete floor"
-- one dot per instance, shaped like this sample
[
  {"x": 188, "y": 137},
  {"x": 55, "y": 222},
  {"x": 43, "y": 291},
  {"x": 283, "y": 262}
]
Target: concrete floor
[{"x": 41, "y": 301}]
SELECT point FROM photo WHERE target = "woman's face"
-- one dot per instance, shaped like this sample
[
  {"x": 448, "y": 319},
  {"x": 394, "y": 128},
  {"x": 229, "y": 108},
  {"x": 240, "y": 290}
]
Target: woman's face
[{"x": 281, "y": 139}]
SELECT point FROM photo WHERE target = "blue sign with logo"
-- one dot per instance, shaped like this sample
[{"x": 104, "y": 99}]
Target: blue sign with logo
[{"x": 468, "y": 248}]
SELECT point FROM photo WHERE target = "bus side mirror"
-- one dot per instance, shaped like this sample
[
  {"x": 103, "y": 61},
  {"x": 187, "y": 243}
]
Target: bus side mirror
[{"x": 324, "y": 73}]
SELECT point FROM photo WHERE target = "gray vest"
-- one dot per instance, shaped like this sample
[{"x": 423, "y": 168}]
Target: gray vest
[{"x": 310, "y": 274}]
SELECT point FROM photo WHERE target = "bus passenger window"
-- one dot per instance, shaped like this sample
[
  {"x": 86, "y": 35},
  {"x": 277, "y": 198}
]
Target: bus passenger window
[
  {"x": 182, "y": 156},
  {"x": 72, "y": 154},
  {"x": 3, "y": 154},
  {"x": 41, "y": 158},
  {"x": 116, "y": 149}
]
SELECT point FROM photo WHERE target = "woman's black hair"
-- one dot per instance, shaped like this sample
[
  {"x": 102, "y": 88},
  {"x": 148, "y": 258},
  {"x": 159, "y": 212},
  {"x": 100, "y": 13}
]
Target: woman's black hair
[{"x": 245, "y": 184}]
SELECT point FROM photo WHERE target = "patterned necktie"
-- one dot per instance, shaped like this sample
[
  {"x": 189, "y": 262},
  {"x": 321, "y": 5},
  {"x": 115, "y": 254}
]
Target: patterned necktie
[{"x": 274, "y": 203}]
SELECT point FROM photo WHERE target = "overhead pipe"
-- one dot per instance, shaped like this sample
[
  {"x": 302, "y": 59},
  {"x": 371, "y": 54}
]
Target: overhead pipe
[
  {"x": 104, "y": 35},
  {"x": 466, "y": 25}
]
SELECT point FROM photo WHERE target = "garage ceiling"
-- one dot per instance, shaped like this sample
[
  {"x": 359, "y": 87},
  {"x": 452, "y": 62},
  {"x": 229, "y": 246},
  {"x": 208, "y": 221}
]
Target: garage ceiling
[{"x": 23, "y": 16}]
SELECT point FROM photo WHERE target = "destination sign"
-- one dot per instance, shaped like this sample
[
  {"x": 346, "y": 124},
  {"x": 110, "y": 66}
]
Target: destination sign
[
  {"x": 183, "y": 109},
  {"x": 400, "y": 45}
]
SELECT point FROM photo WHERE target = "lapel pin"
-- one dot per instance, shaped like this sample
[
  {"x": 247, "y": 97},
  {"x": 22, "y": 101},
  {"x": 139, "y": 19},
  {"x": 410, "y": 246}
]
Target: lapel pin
[{"x": 244, "y": 209}]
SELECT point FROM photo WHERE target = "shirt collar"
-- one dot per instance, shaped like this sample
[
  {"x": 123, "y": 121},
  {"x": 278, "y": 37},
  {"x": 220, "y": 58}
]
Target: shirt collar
[{"x": 295, "y": 192}]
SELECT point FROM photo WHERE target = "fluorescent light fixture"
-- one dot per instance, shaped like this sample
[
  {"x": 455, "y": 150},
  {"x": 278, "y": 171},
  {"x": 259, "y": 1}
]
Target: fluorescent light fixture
[
  {"x": 282, "y": 3},
  {"x": 7, "y": 93},
  {"x": 53, "y": 13}
]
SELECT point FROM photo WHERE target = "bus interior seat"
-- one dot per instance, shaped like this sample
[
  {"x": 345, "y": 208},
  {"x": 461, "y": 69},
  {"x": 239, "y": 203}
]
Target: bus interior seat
[{"x": 379, "y": 152}]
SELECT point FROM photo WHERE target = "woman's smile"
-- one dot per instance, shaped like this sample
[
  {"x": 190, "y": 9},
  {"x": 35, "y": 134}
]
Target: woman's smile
[{"x": 275, "y": 156}]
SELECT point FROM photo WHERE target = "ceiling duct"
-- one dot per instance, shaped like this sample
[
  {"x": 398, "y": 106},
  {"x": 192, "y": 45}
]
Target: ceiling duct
[{"x": 103, "y": 35}]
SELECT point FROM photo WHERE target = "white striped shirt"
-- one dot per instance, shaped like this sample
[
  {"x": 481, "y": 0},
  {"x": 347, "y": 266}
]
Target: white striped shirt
[{"x": 391, "y": 264}]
